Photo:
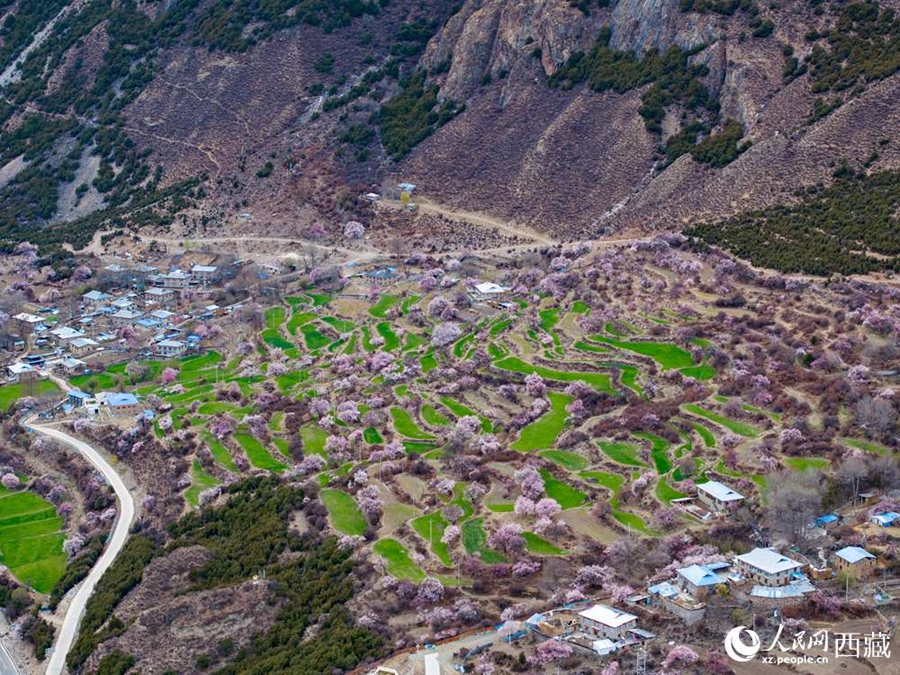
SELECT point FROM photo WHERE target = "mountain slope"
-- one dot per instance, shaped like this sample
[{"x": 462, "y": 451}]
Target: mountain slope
[{"x": 578, "y": 120}]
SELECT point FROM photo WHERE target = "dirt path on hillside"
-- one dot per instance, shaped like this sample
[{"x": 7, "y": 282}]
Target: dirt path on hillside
[{"x": 425, "y": 205}]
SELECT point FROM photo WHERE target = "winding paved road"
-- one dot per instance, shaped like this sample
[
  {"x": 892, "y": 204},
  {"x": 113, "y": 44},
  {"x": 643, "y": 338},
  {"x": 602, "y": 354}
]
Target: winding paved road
[
  {"x": 69, "y": 630},
  {"x": 7, "y": 665}
]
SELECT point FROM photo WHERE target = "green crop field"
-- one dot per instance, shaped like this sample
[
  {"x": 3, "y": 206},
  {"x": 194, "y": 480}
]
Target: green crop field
[
  {"x": 567, "y": 460},
  {"x": 313, "y": 438},
  {"x": 804, "y": 463},
  {"x": 739, "y": 428},
  {"x": 433, "y": 417},
  {"x": 539, "y": 545},
  {"x": 588, "y": 347},
  {"x": 201, "y": 481},
  {"x": 623, "y": 453},
  {"x": 668, "y": 356},
  {"x": 611, "y": 481},
  {"x": 599, "y": 381},
  {"x": 298, "y": 319},
  {"x": 709, "y": 440},
  {"x": 666, "y": 493},
  {"x": 371, "y": 436},
  {"x": 543, "y": 431},
  {"x": 659, "y": 451},
  {"x": 475, "y": 542},
  {"x": 391, "y": 341},
  {"x": 340, "y": 325},
  {"x": 380, "y": 309},
  {"x": 219, "y": 452},
  {"x": 397, "y": 560},
  {"x": 406, "y": 426},
  {"x": 345, "y": 515},
  {"x": 565, "y": 495},
  {"x": 313, "y": 337},
  {"x": 31, "y": 540},
  {"x": 256, "y": 453},
  {"x": 431, "y": 528},
  {"x": 461, "y": 410},
  {"x": 10, "y": 393}
]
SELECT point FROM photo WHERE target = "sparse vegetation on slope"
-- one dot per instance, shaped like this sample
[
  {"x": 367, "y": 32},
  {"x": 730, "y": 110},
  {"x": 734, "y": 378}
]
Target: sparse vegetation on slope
[{"x": 849, "y": 227}]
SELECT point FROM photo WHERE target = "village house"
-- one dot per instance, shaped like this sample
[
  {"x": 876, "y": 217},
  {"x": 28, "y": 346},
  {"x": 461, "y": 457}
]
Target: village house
[
  {"x": 31, "y": 322},
  {"x": 94, "y": 299},
  {"x": 67, "y": 366},
  {"x": 21, "y": 372},
  {"x": 204, "y": 274},
  {"x": 147, "y": 323},
  {"x": 82, "y": 345},
  {"x": 176, "y": 279},
  {"x": 676, "y": 601},
  {"x": 602, "y": 621},
  {"x": 125, "y": 317},
  {"x": 827, "y": 521},
  {"x": 488, "y": 289},
  {"x": 77, "y": 398},
  {"x": 855, "y": 560},
  {"x": 170, "y": 348},
  {"x": 163, "y": 316},
  {"x": 767, "y": 567},
  {"x": 717, "y": 496},
  {"x": 125, "y": 302},
  {"x": 65, "y": 334},
  {"x": 380, "y": 276},
  {"x": 116, "y": 404},
  {"x": 885, "y": 519},
  {"x": 698, "y": 580},
  {"x": 154, "y": 296}
]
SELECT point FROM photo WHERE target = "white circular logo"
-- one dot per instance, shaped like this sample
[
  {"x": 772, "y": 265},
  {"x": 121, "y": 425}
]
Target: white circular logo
[{"x": 737, "y": 649}]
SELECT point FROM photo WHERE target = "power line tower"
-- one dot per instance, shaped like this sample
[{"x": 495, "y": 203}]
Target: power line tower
[{"x": 640, "y": 664}]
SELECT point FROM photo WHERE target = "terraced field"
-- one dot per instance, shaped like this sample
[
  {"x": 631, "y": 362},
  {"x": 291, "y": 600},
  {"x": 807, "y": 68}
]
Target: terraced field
[{"x": 31, "y": 540}]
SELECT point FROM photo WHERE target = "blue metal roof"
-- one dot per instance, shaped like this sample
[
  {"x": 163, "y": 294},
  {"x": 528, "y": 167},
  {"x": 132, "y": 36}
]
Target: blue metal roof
[
  {"x": 827, "y": 518},
  {"x": 664, "y": 589},
  {"x": 700, "y": 576},
  {"x": 120, "y": 398},
  {"x": 886, "y": 518}
]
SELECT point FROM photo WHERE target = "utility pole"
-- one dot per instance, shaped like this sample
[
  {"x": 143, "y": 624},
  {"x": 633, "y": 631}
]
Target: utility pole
[{"x": 640, "y": 665}]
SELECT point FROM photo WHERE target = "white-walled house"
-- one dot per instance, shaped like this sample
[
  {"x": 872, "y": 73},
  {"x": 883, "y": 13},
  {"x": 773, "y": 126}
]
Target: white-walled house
[
  {"x": 718, "y": 496},
  {"x": 767, "y": 567},
  {"x": 603, "y": 621}
]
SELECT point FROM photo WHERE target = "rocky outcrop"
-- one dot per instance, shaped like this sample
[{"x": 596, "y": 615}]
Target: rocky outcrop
[
  {"x": 642, "y": 25},
  {"x": 494, "y": 36}
]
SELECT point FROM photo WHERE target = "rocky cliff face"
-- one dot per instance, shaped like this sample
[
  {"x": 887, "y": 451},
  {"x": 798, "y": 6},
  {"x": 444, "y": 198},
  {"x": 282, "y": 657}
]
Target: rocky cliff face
[
  {"x": 491, "y": 36},
  {"x": 582, "y": 162}
]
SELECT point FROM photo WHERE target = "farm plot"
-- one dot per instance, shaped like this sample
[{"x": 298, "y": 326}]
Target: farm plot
[{"x": 31, "y": 540}]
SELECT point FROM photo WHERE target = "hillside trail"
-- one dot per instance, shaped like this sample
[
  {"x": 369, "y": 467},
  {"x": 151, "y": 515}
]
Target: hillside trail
[
  {"x": 185, "y": 244},
  {"x": 425, "y": 205}
]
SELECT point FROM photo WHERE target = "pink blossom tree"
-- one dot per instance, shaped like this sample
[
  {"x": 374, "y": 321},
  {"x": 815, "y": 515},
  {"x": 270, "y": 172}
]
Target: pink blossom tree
[{"x": 682, "y": 655}]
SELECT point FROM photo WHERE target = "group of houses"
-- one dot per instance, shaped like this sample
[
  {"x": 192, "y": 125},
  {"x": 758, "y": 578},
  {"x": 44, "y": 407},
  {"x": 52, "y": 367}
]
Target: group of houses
[
  {"x": 109, "y": 404},
  {"x": 763, "y": 574}
]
